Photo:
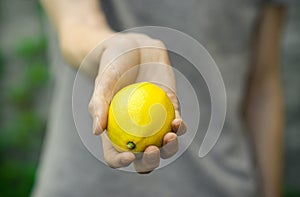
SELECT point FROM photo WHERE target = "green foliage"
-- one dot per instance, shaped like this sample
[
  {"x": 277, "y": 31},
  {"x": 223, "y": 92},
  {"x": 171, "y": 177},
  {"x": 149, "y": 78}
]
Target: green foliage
[
  {"x": 16, "y": 176},
  {"x": 35, "y": 76},
  {"x": 21, "y": 131},
  {"x": 19, "y": 94},
  {"x": 29, "y": 48},
  {"x": 291, "y": 192},
  {"x": 22, "y": 128}
]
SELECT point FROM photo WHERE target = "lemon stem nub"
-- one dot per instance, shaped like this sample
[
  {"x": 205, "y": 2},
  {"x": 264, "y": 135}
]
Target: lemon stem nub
[{"x": 130, "y": 145}]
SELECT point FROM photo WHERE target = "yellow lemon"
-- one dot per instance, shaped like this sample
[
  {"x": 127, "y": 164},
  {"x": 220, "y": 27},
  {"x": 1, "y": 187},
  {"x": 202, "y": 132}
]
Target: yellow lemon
[{"x": 139, "y": 116}]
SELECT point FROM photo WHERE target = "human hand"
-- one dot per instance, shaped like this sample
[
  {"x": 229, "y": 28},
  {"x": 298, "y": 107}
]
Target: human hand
[
  {"x": 122, "y": 54},
  {"x": 81, "y": 27}
]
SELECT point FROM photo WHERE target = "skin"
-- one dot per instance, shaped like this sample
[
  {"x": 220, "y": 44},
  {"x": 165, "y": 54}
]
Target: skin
[
  {"x": 83, "y": 22},
  {"x": 80, "y": 28},
  {"x": 263, "y": 104}
]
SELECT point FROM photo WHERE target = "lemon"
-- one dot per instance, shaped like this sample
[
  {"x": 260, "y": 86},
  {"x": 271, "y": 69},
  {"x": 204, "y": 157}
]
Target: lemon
[{"x": 139, "y": 116}]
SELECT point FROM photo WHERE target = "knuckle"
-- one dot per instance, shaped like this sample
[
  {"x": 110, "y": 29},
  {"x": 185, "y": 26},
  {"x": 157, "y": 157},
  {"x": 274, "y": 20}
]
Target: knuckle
[
  {"x": 160, "y": 50},
  {"x": 139, "y": 36},
  {"x": 123, "y": 41},
  {"x": 158, "y": 43},
  {"x": 120, "y": 49}
]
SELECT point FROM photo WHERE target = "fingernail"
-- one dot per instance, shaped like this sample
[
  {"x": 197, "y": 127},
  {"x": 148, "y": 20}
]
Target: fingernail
[
  {"x": 175, "y": 124},
  {"x": 178, "y": 123},
  {"x": 95, "y": 124}
]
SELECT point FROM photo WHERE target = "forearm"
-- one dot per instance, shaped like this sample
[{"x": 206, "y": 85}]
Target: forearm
[
  {"x": 68, "y": 13},
  {"x": 264, "y": 106},
  {"x": 81, "y": 26},
  {"x": 264, "y": 116},
  {"x": 267, "y": 39}
]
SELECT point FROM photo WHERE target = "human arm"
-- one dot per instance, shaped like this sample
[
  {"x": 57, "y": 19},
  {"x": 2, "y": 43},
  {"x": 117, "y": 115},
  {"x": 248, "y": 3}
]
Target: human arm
[
  {"x": 81, "y": 26},
  {"x": 263, "y": 100}
]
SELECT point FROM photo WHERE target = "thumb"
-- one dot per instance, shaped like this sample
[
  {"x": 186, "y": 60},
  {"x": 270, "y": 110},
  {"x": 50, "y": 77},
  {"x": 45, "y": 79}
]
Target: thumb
[
  {"x": 98, "y": 108},
  {"x": 103, "y": 93}
]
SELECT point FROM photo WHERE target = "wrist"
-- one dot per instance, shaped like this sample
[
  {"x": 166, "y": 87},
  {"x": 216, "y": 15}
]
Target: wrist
[
  {"x": 78, "y": 39},
  {"x": 83, "y": 26}
]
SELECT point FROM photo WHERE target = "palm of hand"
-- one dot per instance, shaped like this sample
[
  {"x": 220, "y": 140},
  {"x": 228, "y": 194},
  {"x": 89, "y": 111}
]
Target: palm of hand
[{"x": 126, "y": 59}]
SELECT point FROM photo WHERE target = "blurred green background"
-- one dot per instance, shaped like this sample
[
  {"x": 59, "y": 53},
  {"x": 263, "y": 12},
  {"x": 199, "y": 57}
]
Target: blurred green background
[{"x": 25, "y": 90}]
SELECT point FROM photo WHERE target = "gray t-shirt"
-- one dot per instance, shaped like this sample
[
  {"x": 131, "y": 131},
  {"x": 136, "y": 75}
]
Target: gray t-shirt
[{"x": 224, "y": 28}]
